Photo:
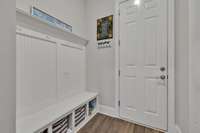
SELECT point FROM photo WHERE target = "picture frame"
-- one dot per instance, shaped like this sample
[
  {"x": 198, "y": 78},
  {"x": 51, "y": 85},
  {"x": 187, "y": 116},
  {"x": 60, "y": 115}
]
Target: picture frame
[
  {"x": 105, "y": 28},
  {"x": 43, "y": 16}
]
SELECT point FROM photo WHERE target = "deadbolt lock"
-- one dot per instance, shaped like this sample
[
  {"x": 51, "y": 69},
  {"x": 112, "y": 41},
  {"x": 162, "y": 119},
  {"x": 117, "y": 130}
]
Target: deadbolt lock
[{"x": 162, "y": 69}]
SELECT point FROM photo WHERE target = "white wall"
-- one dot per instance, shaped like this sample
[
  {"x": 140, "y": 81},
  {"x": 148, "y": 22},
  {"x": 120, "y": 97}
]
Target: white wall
[
  {"x": 101, "y": 62},
  {"x": 194, "y": 66},
  {"x": 69, "y": 11},
  {"x": 187, "y": 54},
  {"x": 7, "y": 67},
  {"x": 181, "y": 62}
]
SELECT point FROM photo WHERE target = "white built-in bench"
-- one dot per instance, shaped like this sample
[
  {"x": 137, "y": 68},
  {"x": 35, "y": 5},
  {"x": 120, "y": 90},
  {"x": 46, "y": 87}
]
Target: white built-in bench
[
  {"x": 43, "y": 121},
  {"x": 51, "y": 66}
]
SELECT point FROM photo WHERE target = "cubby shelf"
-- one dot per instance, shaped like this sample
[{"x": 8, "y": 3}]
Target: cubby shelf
[{"x": 47, "y": 118}]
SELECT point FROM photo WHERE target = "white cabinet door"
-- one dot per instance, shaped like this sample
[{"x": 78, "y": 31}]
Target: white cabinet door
[{"x": 143, "y": 62}]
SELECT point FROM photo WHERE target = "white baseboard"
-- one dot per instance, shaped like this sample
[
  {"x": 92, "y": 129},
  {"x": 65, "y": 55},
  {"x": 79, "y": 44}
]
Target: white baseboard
[
  {"x": 110, "y": 111},
  {"x": 178, "y": 130}
]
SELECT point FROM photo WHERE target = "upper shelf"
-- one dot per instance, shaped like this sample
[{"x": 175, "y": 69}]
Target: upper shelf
[{"x": 26, "y": 20}]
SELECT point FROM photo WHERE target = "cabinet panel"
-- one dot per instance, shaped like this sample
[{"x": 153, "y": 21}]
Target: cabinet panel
[
  {"x": 37, "y": 74},
  {"x": 72, "y": 70},
  {"x": 48, "y": 71}
]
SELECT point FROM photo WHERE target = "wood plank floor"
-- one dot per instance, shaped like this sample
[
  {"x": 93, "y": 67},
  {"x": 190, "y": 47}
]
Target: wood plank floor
[{"x": 104, "y": 124}]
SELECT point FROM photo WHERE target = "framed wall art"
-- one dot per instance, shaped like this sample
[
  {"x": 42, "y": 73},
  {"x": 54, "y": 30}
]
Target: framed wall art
[
  {"x": 43, "y": 16},
  {"x": 105, "y": 28},
  {"x": 105, "y": 32}
]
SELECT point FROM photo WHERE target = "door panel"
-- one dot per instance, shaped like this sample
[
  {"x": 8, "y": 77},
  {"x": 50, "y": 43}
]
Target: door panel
[
  {"x": 150, "y": 43},
  {"x": 143, "y": 51}
]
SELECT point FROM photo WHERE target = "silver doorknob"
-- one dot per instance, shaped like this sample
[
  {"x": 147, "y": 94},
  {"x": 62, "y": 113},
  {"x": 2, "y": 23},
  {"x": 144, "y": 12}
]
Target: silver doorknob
[{"x": 163, "y": 77}]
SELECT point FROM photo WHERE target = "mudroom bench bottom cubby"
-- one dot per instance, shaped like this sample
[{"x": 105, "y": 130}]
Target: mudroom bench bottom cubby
[{"x": 67, "y": 116}]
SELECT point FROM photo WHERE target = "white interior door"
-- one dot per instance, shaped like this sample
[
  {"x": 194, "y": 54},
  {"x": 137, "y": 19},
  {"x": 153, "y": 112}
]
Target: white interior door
[{"x": 143, "y": 62}]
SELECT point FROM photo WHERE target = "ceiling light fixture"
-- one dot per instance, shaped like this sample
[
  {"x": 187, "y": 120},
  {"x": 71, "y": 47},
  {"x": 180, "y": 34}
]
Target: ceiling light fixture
[{"x": 137, "y": 2}]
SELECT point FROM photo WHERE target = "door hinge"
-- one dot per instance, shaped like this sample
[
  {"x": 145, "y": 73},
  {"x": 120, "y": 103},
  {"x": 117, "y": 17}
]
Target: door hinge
[
  {"x": 119, "y": 12},
  {"x": 119, "y": 73},
  {"x": 119, "y": 103}
]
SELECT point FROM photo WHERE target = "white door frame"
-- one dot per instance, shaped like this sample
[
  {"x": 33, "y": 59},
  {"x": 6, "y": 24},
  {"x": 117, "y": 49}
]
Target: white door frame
[{"x": 171, "y": 63}]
